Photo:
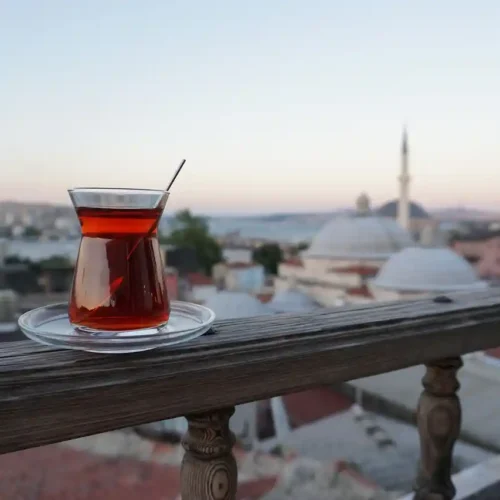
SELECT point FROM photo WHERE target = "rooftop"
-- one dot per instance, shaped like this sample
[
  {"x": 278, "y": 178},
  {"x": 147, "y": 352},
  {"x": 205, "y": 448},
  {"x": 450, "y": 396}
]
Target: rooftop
[
  {"x": 361, "y": 270},
  {"x": 241, "y": 265},
  {"x": 427, "y": 269},
  {"x": 120, "y": 465},
  {"x": 392, "y": 466},
  {"x": 197, "y": 279},
  {"x": 479, "y": 381},
  {"x": 367, "y": 237}
]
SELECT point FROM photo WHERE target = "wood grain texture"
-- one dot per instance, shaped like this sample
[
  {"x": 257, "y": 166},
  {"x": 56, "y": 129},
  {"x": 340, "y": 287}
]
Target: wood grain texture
[
  {"x": 209, "y": 470},
  {"x": 439, "y": 418},
  {"x": 49, "y": 395}
]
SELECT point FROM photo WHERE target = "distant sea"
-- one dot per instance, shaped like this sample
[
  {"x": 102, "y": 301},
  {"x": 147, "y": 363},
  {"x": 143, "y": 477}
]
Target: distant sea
[{"x": 284, "y": 229}]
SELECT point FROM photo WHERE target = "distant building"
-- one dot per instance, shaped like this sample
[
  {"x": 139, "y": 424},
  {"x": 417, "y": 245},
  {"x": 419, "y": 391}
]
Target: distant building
[
  {"x": 240, "y": 276},
  {"x": 481, "y": 248},
  {"x": 200, "y": 288},
  {"x": 56, "y": 275},
  {"x": 172, "y": 283},
  {"x": 231, "y": 255},
  {"x": 343, "y": 255},
  {"x": 247, "y": 277},
  {"x": 488, "y": 265},
  {"x": 9, "y": 303},
  {"x": 419, "y": 272},
  {"x": 20, "y": 278},
  {"x": 36, "y": 251},
  {"x": 4, "y": 250}
]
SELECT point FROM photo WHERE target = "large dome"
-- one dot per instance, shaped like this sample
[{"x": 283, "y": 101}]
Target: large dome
[
  {"x": 355, "y": 237},
  {"x": 390, "y": 209},
  {"x": 427, "y": 270},
  {"x": 227, "y": 305},
  {"x": 292, "y": 301}
]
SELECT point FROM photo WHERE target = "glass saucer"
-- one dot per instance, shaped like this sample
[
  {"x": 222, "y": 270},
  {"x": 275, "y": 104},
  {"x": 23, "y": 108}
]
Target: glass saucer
[{"x": 50, "y": 325}]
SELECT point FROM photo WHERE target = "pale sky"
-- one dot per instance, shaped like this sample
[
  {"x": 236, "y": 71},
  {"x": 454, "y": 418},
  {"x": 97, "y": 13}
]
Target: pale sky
[{"x": 277, "y": 105}]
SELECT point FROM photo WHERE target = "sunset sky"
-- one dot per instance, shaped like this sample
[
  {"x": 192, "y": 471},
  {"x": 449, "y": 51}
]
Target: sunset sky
[{"x": 277, "y": 105}]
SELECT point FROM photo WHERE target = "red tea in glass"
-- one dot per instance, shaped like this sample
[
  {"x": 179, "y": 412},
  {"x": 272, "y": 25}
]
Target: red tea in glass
[{"x": 119, "y": 281}]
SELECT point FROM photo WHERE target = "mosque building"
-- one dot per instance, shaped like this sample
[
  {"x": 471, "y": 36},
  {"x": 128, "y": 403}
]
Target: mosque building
[
  {"x": 348, "y": 252},
  {"x": 342, "y": 256},
  {"x": 419, "y": 272}
]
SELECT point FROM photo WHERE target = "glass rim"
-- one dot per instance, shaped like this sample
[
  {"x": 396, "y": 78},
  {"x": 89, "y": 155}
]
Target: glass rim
[{"x": 117, "y": 190}]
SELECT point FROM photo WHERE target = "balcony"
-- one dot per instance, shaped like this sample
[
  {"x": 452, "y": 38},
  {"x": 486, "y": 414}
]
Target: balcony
[{"x": 48, "y": 395}]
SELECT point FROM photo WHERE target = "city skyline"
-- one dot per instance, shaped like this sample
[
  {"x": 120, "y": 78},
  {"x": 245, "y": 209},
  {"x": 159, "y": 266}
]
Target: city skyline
[{"x": 277, "y": 108}]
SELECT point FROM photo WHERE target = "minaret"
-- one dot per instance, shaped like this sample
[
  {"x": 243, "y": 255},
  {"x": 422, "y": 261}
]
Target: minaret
[{"x": 404, "y": 186}]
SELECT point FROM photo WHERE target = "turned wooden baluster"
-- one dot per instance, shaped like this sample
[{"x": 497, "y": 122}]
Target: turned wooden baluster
[
  {"x": 438, "y": 418},
  {"x": 209, "y": 469}
]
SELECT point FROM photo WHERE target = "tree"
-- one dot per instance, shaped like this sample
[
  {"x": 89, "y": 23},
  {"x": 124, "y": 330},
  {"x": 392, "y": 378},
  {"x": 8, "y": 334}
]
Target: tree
[
  {"x": 269, "y": 255},
  {"x": 32, "y": 232},
  {"x": 300, "y": 247},
  {"x": 56, "y": 262},
  {"x": 192, "y": 231}
]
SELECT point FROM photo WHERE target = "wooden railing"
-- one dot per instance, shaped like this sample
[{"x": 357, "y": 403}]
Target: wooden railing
[{"x": 48, "y": 395}]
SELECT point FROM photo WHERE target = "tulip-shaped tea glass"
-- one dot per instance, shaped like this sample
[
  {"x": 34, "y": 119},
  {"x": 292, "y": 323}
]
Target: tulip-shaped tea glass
[{"x": 119, "y": 281}]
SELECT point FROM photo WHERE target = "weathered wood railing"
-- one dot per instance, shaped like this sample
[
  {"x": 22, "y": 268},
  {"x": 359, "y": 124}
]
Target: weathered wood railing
[{"x": 48, "y": 395}]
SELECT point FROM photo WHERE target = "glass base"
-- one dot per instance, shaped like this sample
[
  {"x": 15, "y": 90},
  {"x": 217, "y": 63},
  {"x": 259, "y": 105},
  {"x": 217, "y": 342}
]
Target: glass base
[{"x": 112, "y": 333}]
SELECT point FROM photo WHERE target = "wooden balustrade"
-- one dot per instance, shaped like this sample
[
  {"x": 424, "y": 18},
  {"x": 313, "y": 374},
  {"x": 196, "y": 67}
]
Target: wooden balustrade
[
  {"x": 438, "y": 418},
  {"x": 49, "y": 395},
  {"x": 209, "y": 468}
]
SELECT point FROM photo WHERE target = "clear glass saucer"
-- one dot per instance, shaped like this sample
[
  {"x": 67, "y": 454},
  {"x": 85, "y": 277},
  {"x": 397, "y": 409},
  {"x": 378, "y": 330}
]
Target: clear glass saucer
[{"x": 50, "y": 325}]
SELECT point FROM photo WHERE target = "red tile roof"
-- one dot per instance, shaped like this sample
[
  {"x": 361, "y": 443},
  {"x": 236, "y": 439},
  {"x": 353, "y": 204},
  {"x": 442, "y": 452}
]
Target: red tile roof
[
  {"x": 360, "y": 291},
  {"x": 255, "y": 489},
  {"x": 241, "y": 265},
  {"x": 172, "y": 286},
  {"x": 265, "y": 297},
  {"x": 57, "y": 473},
  {"x": 309, "y": 406},
  {"x": 494, "y": 353},
  {"x": 199, "y": 279},
  {"x": 302, "y": 408},
  {"x": 360, "y": 270}
]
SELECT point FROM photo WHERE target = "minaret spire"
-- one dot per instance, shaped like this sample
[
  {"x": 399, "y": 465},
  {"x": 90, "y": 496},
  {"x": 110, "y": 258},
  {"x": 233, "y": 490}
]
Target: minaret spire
[
  {"x": 404, "y": 142},
  {"x": 404, "y": 184}
]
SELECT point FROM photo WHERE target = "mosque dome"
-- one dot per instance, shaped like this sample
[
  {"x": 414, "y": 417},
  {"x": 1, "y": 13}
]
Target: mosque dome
[
  {"x": 359, "y": 237},
  {"x": 292, "y": 301},
  {"x": 427, "y": 270},
  {"x": 390, "y": 209},
  {"x": 227, "y": 305}
]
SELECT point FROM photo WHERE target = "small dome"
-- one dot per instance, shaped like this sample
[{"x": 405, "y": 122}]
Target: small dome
[
  {"x": 292, "y": 301},
  {"x": 365, "y": 238},
  {"x": 390, "y": 209},
  {"x": 427, "y": 270},
  {"x": 363, "y": 204},
  {"x": 227, "y": 305}
]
